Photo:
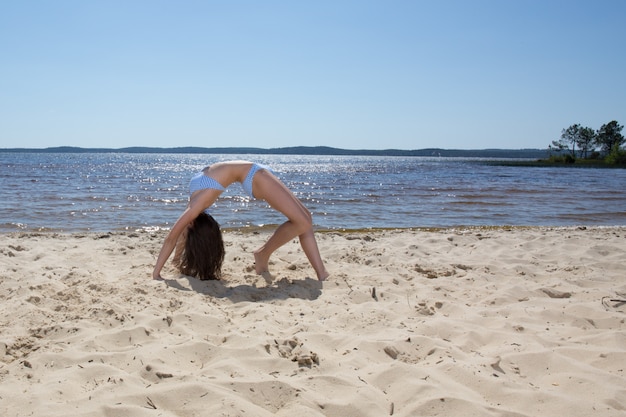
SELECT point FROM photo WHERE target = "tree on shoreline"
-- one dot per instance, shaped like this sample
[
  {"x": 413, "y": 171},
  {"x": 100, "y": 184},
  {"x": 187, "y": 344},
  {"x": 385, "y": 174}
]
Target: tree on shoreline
[
  {"x": 576, "y": 136},
  {"x": 606, "y": 142},
  {"x": 609, "y": 137}
]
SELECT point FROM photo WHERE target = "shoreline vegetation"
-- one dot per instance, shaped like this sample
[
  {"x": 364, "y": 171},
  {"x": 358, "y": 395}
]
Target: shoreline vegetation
[{"x": 585, "y": 147}]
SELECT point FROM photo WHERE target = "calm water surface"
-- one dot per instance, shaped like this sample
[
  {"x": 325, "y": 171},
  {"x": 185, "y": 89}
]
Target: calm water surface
[{"x": 105, "y": 192}]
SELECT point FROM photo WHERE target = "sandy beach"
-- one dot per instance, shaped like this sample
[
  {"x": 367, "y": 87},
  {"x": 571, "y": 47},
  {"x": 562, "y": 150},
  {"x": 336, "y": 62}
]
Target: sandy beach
[{"x": 453, "y": 322}]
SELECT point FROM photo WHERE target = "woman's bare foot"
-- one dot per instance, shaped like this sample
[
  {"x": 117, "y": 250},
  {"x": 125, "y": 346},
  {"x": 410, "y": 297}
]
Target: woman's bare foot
[
  {"x": 323, "y": 276},
  {"x": 260, "y": 263},
  {"x": 268, "y": 277}
]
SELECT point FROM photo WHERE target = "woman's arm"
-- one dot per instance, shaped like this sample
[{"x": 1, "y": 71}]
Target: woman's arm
[{"x": 170, "y": 242}]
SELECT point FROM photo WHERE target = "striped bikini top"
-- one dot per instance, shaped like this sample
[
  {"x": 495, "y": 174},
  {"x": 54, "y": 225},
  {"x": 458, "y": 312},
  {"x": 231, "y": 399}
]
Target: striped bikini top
[{"x": 202, "y": 182}]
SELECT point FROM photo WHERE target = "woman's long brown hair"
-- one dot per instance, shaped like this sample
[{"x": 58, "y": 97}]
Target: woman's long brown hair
[{"x": 204, "y": 249}]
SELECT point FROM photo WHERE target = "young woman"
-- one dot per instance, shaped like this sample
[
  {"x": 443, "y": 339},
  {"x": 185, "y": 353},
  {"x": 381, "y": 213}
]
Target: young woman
[{"x": 196, "y": 235}]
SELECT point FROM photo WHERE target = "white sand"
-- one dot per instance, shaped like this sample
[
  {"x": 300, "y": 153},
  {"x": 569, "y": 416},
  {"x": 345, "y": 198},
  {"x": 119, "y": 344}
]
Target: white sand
[{"x": 469, "y": 322}]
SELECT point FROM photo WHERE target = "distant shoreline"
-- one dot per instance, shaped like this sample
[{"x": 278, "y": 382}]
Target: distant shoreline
[{"x": 301, "y": 150}]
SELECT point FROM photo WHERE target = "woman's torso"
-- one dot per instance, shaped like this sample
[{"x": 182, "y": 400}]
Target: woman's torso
[{"x": 226, "y": 173}]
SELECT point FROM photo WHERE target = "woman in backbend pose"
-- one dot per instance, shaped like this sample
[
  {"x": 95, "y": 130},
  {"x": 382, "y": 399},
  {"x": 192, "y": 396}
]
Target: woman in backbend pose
[{"x": 197, "y": 238}]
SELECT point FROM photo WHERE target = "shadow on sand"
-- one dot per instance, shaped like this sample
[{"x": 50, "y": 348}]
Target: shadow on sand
[{"x": 306, "y": 289}]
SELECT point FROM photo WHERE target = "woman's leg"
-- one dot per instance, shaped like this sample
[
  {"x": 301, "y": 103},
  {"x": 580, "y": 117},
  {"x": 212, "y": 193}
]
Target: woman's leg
[
  {"x": 309, "y": 246},
  {"x": 299, "y": 223}
]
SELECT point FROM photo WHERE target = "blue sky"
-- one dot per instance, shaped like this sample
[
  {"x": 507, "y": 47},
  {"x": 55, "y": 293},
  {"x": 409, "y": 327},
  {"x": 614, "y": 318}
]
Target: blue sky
[{"x": 350, "y": 74}]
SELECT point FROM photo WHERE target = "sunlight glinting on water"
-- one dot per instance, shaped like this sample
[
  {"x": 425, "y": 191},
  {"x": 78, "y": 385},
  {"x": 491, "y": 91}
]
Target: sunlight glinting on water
[{"x": 101, "y": 191}]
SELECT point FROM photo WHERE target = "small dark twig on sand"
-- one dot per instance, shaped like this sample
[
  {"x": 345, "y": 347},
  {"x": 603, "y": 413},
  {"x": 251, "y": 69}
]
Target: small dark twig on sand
[{"x": 151, "y": 404}]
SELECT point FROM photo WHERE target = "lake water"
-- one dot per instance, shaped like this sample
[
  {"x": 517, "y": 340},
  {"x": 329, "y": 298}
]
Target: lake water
[{"x": 115, "y": 191}]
